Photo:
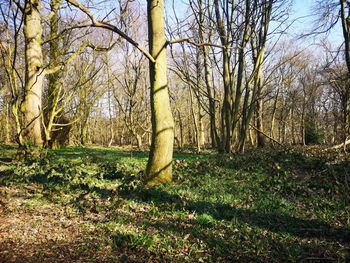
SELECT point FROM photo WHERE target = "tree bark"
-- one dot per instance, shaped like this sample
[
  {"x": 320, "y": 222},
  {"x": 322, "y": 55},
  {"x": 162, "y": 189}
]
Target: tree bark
[
  {"x": 215, "y": 140},
  {"x": 273, "y": 115},
  {"x": 31, "y": 104},
  {"x": 7, "y": 122},
  {"x": 53, "y": 79},
  {"x": 159, "y": 166},
  {"x": 259, "y": 124},
  {"x": 195, "y": 122}
]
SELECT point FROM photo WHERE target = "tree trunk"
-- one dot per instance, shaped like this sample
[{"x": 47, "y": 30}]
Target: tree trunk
[
  {"x": 302, "y": 124},
  {"x": 53, "y": 79},
  {"x": 226, "y": 116},
  {"x": 215, "y": 140},
  {"x": 83, "y": 133},
  {"x": 139, "y": 141},
  {"x": 273, "y": 115},
  {"x": 195, "y": 122},
  {"x": 293, "y": 124},
  {"x": 7, "y": 122},
  {"x": 159, "y": 166},
  {"x": 181, "y": 130},
  {"x": 201, "y": 129},
  {"x": 31, "y": 104},
  {"x": 259, "y": 124},
  {"x": 111, "y": 128}
]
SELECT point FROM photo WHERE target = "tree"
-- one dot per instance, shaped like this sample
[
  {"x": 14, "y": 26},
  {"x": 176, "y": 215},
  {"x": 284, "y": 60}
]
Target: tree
[
  {"x": 333, "y": 13},
  {"x": 11, "y": 50},
  {"x": 159, "y": 166},
  {"x": 31, "y": 104}
]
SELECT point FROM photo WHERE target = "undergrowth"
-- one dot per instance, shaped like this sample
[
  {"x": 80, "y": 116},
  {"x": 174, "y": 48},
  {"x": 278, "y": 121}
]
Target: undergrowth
[{"x": 265, "y": 206}]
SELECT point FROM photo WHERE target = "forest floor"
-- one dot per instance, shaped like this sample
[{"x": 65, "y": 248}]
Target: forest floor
[{"x": 88, "y": 205}]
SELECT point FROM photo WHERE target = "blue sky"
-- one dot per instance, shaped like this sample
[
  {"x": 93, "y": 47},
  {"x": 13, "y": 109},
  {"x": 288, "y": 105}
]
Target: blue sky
[
  {"x": 307, "y": 14},
  {"x": 302, "y": 7}
]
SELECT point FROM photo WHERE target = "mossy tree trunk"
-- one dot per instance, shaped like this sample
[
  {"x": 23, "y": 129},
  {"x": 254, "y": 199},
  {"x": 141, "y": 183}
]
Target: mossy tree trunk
[
  {"x": 159, "y": 167},
  {"x": 31, "y": 104}
]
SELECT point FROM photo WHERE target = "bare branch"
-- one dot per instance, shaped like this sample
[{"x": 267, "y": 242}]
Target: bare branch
[{"x": 101, "y": 24}]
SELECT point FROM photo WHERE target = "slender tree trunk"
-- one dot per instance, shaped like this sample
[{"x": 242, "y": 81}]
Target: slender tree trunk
[
  {"x": 226, "y": 116},
  {"x": 53, "y": 79},
  {"x": 293, "y": 123},
  {"x": 7, "y": 121},
  {"x": 111, "y": 128},
  {"x": 159, "y": 167},
  {"x": 302, "y": 126},
  {"x": 284, "y": 130},
  {"x": 226, "y": 109},
  {"x": 195, "y": 123},
  {"x": 252, "y": 137},
  {"x": 244, "y": 122},
  {"x": 138, "y": 140},
  {"x": 240, "y": 74},
  {"x": 201, "y": 128},
  {"x": 31, "y": 104},
  {"x": 181, "y": 129},
  {"x": 273, "y": 115},
  {"x": 259, "y": 124},
  {"x": 215, "y": 140},
  {"x": 122, "y": 137}
]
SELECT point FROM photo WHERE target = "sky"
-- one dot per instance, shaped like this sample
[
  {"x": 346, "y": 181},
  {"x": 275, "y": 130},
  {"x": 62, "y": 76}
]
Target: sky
[
  {"x": 303, "y": 14},
  {"x": 306, "y": 13}
]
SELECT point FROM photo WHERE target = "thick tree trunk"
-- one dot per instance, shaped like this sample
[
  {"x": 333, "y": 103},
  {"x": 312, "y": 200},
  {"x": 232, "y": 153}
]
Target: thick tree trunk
[
  {"x": 31, "y": 104},
  {"x": 159, "y": 167}
]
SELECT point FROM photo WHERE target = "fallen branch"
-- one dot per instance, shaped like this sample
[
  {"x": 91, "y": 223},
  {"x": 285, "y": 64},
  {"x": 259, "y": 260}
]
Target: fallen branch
[
  {"x": 267, "y": 136},
  {"x": 344, "y": 144}
]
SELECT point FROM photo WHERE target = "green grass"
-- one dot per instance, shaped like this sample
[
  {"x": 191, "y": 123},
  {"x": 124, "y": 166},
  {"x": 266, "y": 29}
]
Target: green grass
[{"x": 264, "y": 206}]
